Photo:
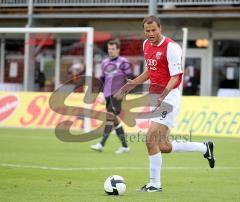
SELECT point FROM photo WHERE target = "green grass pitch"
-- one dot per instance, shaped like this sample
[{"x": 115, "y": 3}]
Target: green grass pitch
[{"x": 35, "y": 166}]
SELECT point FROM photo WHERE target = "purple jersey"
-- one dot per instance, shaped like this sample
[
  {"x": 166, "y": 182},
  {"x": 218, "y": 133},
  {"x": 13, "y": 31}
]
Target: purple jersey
[{"x": 115, "y": 72}]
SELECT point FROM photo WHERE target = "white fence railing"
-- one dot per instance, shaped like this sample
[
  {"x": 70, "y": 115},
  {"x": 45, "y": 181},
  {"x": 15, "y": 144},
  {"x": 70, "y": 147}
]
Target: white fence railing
[
  {"x": 199, "y": 2},
  {"x": 110, "y": 3},
  {"x": 13, "y": 3}
]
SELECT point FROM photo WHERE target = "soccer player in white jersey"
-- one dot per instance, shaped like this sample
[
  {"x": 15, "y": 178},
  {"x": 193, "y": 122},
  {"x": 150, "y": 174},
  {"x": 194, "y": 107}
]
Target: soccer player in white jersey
[{"x": 163, "y": 59}]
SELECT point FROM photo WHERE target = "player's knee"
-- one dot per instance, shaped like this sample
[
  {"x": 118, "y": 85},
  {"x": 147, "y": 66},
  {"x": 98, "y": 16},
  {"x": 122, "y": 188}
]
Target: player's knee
[
  {"x": 165, "y": 148},
  {"x": 116, "y": 122},
  {"x": 152, "y": 148},
  {"x": 111, "y": 118},
  {"x": 149, "y": 145}
]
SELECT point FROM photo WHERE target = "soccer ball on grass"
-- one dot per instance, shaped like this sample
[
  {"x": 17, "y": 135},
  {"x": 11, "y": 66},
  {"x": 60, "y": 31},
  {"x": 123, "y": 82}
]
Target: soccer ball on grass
[{"x": 115, "y": 185}]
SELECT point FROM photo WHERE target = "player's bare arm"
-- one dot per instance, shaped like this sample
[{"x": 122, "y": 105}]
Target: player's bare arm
[
  {"x": 141, "y": 78},
  {"x": 131, "y": 84}
]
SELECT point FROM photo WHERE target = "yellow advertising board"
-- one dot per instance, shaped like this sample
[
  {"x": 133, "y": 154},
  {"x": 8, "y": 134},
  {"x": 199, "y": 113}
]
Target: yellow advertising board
[
  {"x": 31, "y": 110},
  {"x": 210, "y": 116}
]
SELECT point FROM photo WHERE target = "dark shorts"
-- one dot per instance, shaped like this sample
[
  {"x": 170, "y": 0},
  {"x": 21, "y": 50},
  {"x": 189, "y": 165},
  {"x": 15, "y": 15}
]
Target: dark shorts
[{"x": 113, "y": 105}]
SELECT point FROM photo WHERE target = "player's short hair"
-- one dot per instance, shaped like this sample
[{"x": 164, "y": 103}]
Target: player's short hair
[
  {"x": 114, "y": 42},
  {"x": 150, "y": 19}
]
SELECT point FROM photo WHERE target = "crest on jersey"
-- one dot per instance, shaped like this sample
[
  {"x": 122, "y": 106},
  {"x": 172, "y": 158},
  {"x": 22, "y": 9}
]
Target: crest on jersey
[{"x": 158, "y": 55}]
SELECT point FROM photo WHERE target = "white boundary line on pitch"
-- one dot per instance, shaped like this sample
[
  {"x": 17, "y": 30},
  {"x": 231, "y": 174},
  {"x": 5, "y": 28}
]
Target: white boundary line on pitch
[{"x": 111, "y": 168}]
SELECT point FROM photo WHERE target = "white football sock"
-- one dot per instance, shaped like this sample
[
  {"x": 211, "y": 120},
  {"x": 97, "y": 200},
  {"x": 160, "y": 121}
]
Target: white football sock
[
  {"x": 155, "y": 163},
  {"x": 182, "y": 146}
]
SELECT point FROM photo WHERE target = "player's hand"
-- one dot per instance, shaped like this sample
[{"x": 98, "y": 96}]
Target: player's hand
[
  {"x": 159, "y": 102},
  {"x": 160, "y": 99},
  {"x": 124, "y": 90}
]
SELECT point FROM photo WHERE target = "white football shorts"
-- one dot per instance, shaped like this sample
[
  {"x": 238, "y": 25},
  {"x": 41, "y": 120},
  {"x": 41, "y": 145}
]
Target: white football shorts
[{"x": 167, "y": 119}]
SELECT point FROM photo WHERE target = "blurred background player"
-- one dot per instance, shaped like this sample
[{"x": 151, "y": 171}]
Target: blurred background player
[
  {"x": 115, "y": 72},
  {"x": 190, "y": 83},
  {"x": 75, "y": 72},
  {"x": 163, "y": 59}
]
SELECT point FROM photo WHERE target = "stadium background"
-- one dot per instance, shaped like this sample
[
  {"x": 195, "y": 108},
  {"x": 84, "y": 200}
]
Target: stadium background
[{"x": 213, "y": 110}]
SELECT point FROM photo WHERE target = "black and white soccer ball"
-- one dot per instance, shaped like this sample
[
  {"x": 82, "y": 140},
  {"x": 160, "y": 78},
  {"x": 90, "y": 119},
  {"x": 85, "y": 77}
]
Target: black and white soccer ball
[{"x": 115, "y": 185}]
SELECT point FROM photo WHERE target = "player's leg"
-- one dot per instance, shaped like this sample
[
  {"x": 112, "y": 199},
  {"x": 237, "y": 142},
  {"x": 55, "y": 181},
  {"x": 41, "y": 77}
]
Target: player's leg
[
  {"x": 107, "y": 130},
  {"x": 121, "y": 135},
  {"x": 186, "y": 146},
  {"x": 167, "y": 146},
  {"x": 116, "y": 106},
  {"x": 154, "y": 136},
  {"x": 205, "y": 148}
]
